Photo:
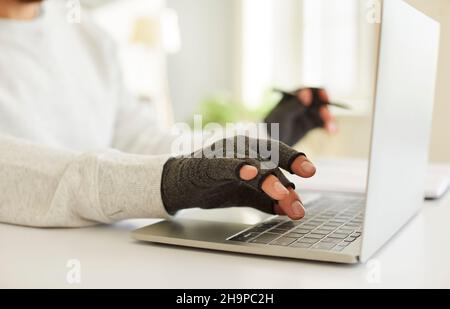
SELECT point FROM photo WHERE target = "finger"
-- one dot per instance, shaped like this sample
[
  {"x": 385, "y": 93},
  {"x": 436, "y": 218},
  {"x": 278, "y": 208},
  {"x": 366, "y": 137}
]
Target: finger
[
  {"x": 325, "y": 114},
  {"x": 323, "y": 96},
  {"x": 287, "y": 156},
  {"x": 303, "y": 167},
  {"x": 328, "y": 120},
  {"x": 306, "y": 97},
  {"x": 248, "y": 172},
  {"x": 283, "y": 179},
  {"x": 279, "y": 211},
  {"x": 292, "y": 206},
  {"x": 273, "y": 187},
  {"x": 332, "y": 127}
]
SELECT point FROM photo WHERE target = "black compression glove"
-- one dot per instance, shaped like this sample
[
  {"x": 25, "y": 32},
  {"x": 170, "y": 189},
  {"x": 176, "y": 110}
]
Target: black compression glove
[
  {"x": 294, "y": 118},
  {"x": 198, "y": 182}
]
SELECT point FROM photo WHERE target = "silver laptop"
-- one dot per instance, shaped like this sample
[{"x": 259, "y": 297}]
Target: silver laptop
[{"x": 352, "y": 228}]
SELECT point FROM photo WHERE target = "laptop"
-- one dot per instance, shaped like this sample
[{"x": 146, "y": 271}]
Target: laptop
[{"x": 351, "y": 228}]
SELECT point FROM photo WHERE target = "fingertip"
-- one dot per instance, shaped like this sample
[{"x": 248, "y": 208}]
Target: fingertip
[
  {"x": 248, "y": 172},
  {"x": 331, "y": 127},
  {"x": 325, "y": 114},
  {"x": 308, "y": 168},
  {"x": 306, "y": 97},
  {"x": 298, "y": 210},
  {"x": 303, "y": 167},
  {"x": 323, "y": 95}
]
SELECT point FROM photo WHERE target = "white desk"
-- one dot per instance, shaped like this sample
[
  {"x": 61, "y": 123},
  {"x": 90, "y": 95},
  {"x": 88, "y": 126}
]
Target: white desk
[{"x": 418, "y": 257}]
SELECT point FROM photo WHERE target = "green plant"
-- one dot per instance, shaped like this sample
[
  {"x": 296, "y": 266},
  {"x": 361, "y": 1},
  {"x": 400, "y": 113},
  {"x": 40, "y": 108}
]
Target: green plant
[{"x": 223, "y": 109}]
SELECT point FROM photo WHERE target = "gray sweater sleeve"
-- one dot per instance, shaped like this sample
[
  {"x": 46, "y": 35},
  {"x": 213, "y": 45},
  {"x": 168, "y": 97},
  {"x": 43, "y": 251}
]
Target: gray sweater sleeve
[{"x": 44, "y": 187}]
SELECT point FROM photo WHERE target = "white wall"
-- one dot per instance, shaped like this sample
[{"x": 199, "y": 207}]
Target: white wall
[{"x": 204, "y": 65}]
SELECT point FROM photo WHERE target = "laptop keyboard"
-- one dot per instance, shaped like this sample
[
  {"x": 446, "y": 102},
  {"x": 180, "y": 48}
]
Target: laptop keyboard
[{"x": 331, "y": 223}]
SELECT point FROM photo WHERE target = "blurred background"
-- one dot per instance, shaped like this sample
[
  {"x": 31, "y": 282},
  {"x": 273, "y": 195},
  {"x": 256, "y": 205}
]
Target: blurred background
[{"x": 222, "y": 58}]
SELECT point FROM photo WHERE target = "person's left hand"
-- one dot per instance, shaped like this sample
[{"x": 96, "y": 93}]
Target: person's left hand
[
  {"x": 299, "y": 113},
  {"x": 316, "y": 101}
]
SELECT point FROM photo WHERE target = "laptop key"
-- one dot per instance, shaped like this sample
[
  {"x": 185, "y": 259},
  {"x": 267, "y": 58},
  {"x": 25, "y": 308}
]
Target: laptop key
[
  {"x": 350, "y": 239},
  {"x": 316, "y": 222},
  {"x": 309, "y": 241},
  {"x": 344, "y": 217},
  {"x": 295, "y": 235},
  {"x": 327, "y": 229},
  {"x": 265, "y": 238},
  {"x": 345, "y": 231},
  {"x": 337, "y": 221},
  {"x": 331, "y": 226},
  {"x": 283, "y": 241},
  {"x": 331, "y": 240},
  {"x": 257, "y": 230},
  {"x": 301, "y": 245},
  {"x": 277, "y": 231},
  {"x": 347, "y": 227},
  {"x": 309, "y": 226},
  {"x": 287, "y": 226},
  {"x": 268, "y": 224},
  {"x": 338, "y": 236},
  {"x": 314, "y": 236},
  {"x": 321, "y": 232},
  {"x": 244, "y": 237},
  {"x": 302, "y": 231},
  {"x": 323, "y": 218},
  {"x": 342, "y": 233},
  {"x": 265, "y": 227},
  {"x": 272, "y": 222}
]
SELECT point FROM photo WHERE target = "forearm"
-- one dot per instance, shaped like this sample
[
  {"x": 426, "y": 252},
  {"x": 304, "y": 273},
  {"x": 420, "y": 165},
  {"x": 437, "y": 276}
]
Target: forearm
[{"x": 44, "y": 187}]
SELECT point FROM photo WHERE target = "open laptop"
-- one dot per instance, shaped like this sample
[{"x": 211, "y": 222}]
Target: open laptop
[{"x": 347, "y": 228}]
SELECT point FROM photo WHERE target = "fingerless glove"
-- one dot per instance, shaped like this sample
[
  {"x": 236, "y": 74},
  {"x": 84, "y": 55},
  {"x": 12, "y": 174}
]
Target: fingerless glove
[
  {"x": 295, "y": 120},
  {"x": 202, "y": 181}
]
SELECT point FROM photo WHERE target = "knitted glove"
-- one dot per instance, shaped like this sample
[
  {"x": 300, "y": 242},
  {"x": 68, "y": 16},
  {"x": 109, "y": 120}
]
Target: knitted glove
[
  {"x": 208, "y": 182},
  {"x": 294, "y": 118}
]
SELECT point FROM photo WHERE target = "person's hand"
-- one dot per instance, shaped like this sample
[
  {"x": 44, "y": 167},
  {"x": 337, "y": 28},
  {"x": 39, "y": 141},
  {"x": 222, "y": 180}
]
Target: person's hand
[
  {"x": 288, "y": 203},
  {"x": 316, "y": 101},
  {"x": 300, "y": 112},
  {"x": 236, "y": 177}
]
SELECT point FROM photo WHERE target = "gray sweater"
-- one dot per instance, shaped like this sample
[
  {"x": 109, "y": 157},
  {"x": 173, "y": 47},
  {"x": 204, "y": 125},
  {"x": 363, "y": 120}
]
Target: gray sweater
[{"x": 75, "y": 149}]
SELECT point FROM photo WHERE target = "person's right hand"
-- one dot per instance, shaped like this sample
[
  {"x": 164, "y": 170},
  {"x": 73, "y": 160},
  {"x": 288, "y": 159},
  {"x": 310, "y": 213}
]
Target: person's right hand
[{"x": 236, "y": 179}]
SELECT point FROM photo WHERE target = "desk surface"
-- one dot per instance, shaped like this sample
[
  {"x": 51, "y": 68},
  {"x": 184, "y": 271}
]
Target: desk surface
[{"x": 419, "y": 256}]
